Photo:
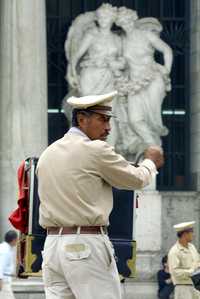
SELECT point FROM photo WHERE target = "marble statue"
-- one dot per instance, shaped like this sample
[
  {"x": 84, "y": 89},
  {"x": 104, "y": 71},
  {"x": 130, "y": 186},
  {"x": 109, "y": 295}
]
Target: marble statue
[{"x": 101, "y": 60}]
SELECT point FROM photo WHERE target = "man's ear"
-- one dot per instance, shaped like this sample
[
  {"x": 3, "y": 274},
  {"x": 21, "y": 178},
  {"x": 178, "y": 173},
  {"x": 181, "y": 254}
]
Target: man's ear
[{"x": 81, "y": 119}]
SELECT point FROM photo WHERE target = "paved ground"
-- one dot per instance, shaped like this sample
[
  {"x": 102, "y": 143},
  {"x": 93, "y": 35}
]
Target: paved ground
[{"x": 33, "y": 289}]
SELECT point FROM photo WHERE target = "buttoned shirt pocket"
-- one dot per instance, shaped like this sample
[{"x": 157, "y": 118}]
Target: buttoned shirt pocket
[{"x": 77, "y": 251}]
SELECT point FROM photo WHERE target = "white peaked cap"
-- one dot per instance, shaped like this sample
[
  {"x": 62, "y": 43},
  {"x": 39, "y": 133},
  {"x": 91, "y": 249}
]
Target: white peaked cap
[
  {"x": 184, "y": 226},
  {"x": 92, "y": 100}
]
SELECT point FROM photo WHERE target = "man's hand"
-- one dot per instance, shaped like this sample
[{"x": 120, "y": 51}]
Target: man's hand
[
  {"x": 155, "y": 153},
  {"x": 168, "y": 281}
]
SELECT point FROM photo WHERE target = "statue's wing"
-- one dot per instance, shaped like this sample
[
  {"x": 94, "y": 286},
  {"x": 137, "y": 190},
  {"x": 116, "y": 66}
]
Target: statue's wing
[
  {"x": 149, "y": 24},
  {"x": 79, "y": 27}
]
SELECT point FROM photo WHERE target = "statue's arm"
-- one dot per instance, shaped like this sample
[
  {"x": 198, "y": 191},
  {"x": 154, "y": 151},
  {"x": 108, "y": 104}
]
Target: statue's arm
[
  {"x": 162, "y": 47},
  {"x": 82, "y": 50},
  {"x": 72, "y": 75}
]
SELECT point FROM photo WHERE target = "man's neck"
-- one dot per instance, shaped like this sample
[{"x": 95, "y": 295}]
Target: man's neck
[
  {"x": 183, "y": 242},
  {"x": 83, "y": 131},
  {"x": 78, "y": 130}
]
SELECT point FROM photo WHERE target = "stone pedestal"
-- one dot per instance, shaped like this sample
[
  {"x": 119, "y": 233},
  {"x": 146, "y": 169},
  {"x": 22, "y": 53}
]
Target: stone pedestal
[
  {"x": 148, "y": 221},
  {"x": 31, "y": 288},
  {"x": 23, "y": 93},
  {"x": 139, "y": 290},
  {"x": 148, "y": 233}
]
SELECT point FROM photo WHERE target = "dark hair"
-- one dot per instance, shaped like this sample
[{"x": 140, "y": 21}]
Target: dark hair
[
  {"x": 74, "y": 118},
  {"x": 75, "y": 113},
  {"x": 10, "y": 236},
  {"x": 179, "y": 234},
  {"x": 164, "y": 260}
]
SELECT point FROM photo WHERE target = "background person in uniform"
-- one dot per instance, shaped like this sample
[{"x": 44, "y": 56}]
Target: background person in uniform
[
  {"x": 75, "y": 175},
  {"x": 183, "y": 260},
  {"x": 165, "y": 284},
  {"x": 7, "y": 264}
]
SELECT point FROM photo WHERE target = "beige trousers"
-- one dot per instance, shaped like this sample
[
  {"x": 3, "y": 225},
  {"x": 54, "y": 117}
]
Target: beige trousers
[
  {"x": 80, "y": 266},
  {"x": 6, "y": 291},
  {"x": 186, "y": 292}
]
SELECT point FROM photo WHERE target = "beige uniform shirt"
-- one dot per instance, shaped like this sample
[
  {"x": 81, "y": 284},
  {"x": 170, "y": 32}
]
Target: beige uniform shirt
[
  {"x": 75, "y": 175},
  {"x": 182, "y": 262}
]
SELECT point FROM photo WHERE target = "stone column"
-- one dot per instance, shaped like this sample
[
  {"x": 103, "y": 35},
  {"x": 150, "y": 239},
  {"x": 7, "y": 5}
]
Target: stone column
[
  {"x": 195, "y": 92},
  {"x": 23, "y": 93}
]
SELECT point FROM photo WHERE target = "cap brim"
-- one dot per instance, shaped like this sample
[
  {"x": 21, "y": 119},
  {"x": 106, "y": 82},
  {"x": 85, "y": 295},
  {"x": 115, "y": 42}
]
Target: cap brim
[{"x": 107, "y": 113}]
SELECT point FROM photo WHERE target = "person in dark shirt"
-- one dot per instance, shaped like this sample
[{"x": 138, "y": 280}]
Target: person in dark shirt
[{"x": 165, "y": 284}]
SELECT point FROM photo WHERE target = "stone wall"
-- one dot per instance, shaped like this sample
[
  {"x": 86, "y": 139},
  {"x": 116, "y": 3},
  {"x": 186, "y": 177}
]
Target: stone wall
[
  {"x": 179, "y": 207},
  {"x": 195, "y": 92}
]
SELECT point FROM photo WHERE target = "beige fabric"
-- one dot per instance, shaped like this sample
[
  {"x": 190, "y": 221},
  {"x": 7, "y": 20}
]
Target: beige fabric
[
  {"x": 182, "y": 262},
  {"x": 186, "y": 292},
  {"x": 75, "y": 178},
  {"x": 80, "y": 267},
  {"x": 6, "y": 292}
]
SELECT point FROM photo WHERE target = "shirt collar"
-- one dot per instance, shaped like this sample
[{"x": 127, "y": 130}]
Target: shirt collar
[
  {"x": 75, "y": 130},
  {"x": 181, "y": 247}
]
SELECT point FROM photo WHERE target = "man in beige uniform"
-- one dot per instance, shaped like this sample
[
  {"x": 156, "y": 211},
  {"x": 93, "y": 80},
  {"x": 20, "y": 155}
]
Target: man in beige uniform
[
  {"x": 183, "y": 260},
  {"x": 75, "y": 176}
]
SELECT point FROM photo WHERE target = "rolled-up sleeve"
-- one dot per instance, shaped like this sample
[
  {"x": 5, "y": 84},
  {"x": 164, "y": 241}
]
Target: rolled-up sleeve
[{"x": 119, "y": 173}]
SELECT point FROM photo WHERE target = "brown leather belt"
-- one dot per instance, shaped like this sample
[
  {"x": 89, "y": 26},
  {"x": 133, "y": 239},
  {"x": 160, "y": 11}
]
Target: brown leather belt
[{"x": 75, "y": 229}]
